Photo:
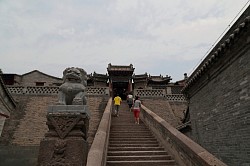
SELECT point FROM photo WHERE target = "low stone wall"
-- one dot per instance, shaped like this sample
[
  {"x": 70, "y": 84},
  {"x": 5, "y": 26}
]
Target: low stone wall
[
  {"x": 185, "y": 151},
  {"x": 98, "y": 151},
  {"x": 156, "y": 93},
  {"x": 53, "y": 90}
]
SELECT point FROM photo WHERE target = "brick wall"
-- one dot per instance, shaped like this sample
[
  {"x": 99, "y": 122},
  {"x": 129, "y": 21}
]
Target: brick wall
[
  {"x": 27, "y": 124},
  {"x": 31, "y": 125},
  {"x": 171, "y": 111},
  {"x": 23, "y": 131},
  {"x": 220, "y": 120},
  {"x": 220, "y": 103}
]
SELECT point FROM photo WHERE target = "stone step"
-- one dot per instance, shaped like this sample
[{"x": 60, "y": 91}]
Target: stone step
[
  {"x": 128, "y": 127},
  {"x": 141, "y": 163},
  {"x": 135, "y": 127},
  {"x": 139, "y": 131},
  {"x": 133, "y": 142},
  {"x": 136, "y": 153},
  {"x": 134, "y": 145},
  {"x": 131, "y": 136},
  {"x": 133, "y": 139},
  {"x": 132, "y": 131},
  {"x": 135, "y": 148},
  {"x": 136, "y": 158},
  {"x": 128, "y": 133}
]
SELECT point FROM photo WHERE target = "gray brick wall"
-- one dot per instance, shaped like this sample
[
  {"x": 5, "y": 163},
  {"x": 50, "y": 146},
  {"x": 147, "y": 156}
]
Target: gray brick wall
[
  {"x": 220, "y": 107},
  {"x": 170, "y": 111}
]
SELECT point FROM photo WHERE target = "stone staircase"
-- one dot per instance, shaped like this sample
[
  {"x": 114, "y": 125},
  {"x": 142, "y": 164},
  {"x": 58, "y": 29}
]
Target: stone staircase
[{"x": 131, "y": 144}]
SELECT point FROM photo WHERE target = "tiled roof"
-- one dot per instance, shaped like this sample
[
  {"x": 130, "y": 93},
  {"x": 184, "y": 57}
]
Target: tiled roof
[
  {"x": 159, "y": 78},
  {"x": 139, "y": 76},
  {"x": 42, "y": 74},
  {"x": 120, "y": 67}
]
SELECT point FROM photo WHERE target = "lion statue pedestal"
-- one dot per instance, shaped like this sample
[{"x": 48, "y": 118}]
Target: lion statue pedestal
[{"x": 66, "y": 143}]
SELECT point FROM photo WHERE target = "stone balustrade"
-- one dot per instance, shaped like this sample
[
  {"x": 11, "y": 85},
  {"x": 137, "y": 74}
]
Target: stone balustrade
[
  {"x": 52, "y": 90},
  {"x": 145, "y": 93}
]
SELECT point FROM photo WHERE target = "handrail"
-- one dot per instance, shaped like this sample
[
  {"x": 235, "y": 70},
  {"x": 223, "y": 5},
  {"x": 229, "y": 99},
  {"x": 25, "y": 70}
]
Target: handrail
[
  {"x": 98, "y": 151},
  {"x": 185, "y": 151}
]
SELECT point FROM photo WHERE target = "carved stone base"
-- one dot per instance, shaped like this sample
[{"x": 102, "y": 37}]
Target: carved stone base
[
  {"x": 65, "y": 143},
  {"x": 58, "y": 152}
]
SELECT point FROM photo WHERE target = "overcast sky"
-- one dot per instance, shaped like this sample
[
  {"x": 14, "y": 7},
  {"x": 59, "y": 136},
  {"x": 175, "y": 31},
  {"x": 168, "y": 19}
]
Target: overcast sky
[{"x": 167, "y": 37}]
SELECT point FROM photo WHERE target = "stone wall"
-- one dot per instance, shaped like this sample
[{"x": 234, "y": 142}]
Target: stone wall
[
  {"x": 170, "y": 111},
  {"x": 220, "y": 98},
  {"x": 26, "y": 126},
  {"x": 220, "y": 120}
]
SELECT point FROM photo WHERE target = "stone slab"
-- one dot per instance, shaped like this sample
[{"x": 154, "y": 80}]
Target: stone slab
[{"x": 83, "y": 109}]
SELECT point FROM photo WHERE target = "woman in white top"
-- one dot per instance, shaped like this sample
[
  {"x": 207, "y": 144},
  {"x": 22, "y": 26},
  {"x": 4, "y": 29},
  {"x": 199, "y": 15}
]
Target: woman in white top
[
  {"x": 130, "y": 101},
  {"x": 137, "y": 107}
]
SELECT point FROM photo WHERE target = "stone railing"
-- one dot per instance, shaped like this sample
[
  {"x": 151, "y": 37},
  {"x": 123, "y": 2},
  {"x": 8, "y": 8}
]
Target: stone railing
[
  {"x": 97, "y": 91},
  {"x": 145, "y": 93},
  {"x": 175, "y": 97},
  {"x": 149, "y": 92},
  {"x": 185, "y": 151},
  {"x": 33, "y": 89},
  {"x": 52, "y": 90}
]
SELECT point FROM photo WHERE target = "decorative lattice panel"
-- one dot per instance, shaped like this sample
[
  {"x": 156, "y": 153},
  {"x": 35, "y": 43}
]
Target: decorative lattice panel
[
  {"x": 149, "y": 92},
  {"x": 16, "y": 89},
  {"x": 158, "y": 93},
  {"x": 97, "y": 91},
  {"x": 175, "y": 97},
  {"x": 40, "y": 90}
]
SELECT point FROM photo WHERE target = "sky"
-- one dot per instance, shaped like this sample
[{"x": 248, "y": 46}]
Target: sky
[{"x": 160, "y": 37}]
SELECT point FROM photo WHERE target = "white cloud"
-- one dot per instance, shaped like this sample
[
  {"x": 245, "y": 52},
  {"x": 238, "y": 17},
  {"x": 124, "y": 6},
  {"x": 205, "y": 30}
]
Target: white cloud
[{"x": 152, "y": 35}]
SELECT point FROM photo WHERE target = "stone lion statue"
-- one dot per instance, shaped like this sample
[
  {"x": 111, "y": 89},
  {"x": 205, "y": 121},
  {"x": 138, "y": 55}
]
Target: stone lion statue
[{"x": 72, "y": 91}]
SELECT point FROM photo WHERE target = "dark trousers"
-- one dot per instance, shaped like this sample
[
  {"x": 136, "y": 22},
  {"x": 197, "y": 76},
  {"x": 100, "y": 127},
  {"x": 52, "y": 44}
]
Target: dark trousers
[{"x": 117, "y": 108}]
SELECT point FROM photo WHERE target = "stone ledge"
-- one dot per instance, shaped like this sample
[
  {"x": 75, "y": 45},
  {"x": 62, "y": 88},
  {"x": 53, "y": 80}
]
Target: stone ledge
[{"x": 69, "y": 109}]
